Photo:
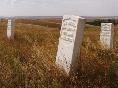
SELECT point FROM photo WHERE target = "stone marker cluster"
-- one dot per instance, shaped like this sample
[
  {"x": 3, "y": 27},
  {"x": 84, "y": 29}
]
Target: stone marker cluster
[
  {"x": 10, "y": 29},
  {"x": 70, "y": 41}
]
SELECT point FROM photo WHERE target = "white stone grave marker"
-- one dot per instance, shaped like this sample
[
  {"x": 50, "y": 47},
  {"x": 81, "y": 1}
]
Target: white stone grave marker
[
  {"x": 106, "y": 35},
  {"x": 10, "y": 30},
  {"x": 70, "y": 41}
]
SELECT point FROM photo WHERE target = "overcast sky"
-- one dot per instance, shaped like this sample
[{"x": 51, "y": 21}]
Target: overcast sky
[{"x": 58, "y": 7}]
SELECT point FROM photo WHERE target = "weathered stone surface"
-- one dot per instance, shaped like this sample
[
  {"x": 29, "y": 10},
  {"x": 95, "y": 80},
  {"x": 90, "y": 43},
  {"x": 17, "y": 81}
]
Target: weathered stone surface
[
  {"x": 70, "y": 40},
  {"x": 106, "y": 35},
  {"x": 10, "y": 29}
]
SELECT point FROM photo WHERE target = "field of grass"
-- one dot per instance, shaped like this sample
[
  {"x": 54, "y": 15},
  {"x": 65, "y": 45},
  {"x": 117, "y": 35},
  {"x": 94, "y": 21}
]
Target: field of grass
[{"x": 28, "y": 61}]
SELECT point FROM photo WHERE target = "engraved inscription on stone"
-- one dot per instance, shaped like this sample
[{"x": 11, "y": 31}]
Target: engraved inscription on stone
[
  {"x": 69, "y": 42},
  {"x": 10, "y": 29},
  {"x": 69, "y": 26},
  {"x": 106, "y": 35}
]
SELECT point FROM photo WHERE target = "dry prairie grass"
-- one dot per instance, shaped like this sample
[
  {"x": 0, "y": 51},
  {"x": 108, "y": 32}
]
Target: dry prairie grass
[{"x": 28, "y": 61}]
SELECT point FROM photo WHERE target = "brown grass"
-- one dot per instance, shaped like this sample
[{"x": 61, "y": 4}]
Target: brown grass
[{"x": 28, "y": 61}]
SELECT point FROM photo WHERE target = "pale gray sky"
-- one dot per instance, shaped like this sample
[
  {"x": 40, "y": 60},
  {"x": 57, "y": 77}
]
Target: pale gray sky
[{"x": 58, "y": 7}]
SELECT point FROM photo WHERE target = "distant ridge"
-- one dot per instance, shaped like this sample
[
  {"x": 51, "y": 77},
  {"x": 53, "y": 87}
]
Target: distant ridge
[
  {"x": 100, "y": 17},
  {"x": 33, "y": 17},
  {"x": 59, "y": 17}
]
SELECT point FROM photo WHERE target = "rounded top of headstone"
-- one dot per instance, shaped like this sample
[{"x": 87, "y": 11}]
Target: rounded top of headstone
[
  {"x": 81, "y": 17},
  {"x": 106, "y": 23},
  {"x": 9, "y": 20}
]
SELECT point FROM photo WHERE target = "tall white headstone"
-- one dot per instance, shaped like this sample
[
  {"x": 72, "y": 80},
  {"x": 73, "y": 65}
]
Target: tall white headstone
[
  {"x": 70, "y": 41},
  {"x": 10, "y": 29},
  {"x": 106, "y": 35}
]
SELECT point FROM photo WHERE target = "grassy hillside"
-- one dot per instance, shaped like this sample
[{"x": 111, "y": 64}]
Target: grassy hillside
[
  {"x": 54, "y": 23},
  {"x": 28, "y": 61}
]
